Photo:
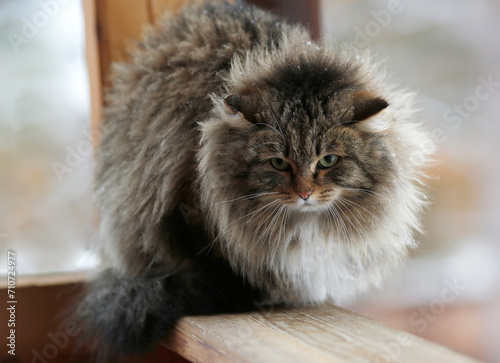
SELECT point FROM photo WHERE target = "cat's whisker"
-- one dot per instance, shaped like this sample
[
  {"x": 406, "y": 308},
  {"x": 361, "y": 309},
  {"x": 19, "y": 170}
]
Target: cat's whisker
[
  {"x": 229, "y": 225},
  {"x": 274, "y": 209},
  {"x": 338, "y": 220},
  {"x": 360, "y": 206},
  {"x": 350, "y": 221},
  {"x": 282, "y": 226},
  {"x": 361, "y": 190},
  {"x": 337, "y": 227},
  {"x": 336, "y": 211},
  {"x": 245, "y": 197},
  {"x": 356, "y": 218},
  {"x": 368, "y": 211},
  {"x": 263, "y": 211},
  {"x": 271, "y": 223},
  {"x": 366, "y": 243},
  {"x": 277, "y": 244},
  {"x": 332, "y": 221},
  {"x": 263, "y": 222}
]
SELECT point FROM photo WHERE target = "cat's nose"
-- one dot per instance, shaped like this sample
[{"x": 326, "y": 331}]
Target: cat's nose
[{"x": 305, "y": 194}]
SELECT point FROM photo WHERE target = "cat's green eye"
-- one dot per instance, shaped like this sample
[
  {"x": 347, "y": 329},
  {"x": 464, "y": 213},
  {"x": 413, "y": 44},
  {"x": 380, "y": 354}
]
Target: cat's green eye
[
  {"x": 328, "y": 161},
  {"x": 280, "y": 164}
]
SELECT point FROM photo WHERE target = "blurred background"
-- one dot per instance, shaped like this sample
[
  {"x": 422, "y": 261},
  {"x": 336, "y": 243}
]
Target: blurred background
[
  {"x": 447, "y": 51},
  {"x": 44, "y": 149}
]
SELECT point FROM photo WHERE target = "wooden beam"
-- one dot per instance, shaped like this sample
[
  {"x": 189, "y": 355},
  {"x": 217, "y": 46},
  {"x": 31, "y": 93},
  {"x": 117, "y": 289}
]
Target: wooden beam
[
  {"x": 48, "y": 279},
  {"x": 314, "y": 334},
  {"x": 158, "y": 7},
  {"x": 119, "y": 22},
  {"x": 111, "y": 26},
  {"x": 93, "y": 66}
]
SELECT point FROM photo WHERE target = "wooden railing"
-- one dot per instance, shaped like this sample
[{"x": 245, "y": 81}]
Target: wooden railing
[{"x": 316, "y": 334}]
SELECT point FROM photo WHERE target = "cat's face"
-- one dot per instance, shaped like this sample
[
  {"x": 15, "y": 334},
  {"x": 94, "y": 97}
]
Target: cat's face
[
  {"x": 304, "y": 168},
  {"x": 307, "y": 155}
]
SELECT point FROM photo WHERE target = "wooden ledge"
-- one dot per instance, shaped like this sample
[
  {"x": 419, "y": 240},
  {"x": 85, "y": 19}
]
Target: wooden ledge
[
  {"x": 49, "y": 279},
  {"x": 315, "y": 334}
]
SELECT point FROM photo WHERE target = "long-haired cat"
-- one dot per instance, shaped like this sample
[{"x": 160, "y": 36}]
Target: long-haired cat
[{"x": 242, "y": 162}]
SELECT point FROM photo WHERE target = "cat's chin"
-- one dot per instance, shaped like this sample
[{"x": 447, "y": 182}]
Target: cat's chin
[{"x": 309, "y": 207}]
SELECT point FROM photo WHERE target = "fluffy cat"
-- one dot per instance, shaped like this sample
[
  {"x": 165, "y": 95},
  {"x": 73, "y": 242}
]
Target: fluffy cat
[{"x": 241, "y": 162}]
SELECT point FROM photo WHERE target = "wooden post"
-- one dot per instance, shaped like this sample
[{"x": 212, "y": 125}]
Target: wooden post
[
  {"x": 93, "y": 66},
  {"x": 110, "y": 26}
]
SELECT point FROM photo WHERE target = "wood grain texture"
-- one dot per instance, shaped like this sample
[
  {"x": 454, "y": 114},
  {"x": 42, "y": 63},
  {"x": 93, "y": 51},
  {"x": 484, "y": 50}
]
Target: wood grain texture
[
  {"x": 48, "y": 279},
  {"x": 119, "y": 23},
  {"x": 93, "y": 66},
  {"x": 111, "y": 26},
  {"x": 315, "y": 334},
  {"x": 158, "y": 7}
]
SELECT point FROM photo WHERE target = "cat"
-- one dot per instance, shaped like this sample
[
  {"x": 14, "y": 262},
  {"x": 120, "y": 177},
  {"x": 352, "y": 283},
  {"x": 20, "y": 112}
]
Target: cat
[{"x": 241, "y": 163}]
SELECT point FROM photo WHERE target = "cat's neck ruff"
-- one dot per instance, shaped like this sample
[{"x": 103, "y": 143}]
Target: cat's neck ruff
[{"x": 312, "y": 263}]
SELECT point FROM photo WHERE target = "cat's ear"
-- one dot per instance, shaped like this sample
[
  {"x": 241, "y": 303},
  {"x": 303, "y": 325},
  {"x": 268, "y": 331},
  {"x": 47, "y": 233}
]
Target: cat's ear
[
  {"x": 366, "y": 105},
  {"x": 243, "y": 105}
]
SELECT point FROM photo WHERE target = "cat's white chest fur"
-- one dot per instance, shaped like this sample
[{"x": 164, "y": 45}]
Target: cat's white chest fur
[{"x": 316, "y": 266}]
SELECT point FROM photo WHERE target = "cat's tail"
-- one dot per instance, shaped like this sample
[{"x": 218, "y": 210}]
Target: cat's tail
[{"x": 126, "y": 316}]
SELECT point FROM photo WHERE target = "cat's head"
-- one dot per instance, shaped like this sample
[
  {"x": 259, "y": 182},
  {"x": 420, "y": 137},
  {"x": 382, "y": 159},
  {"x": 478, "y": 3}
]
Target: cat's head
[
  {"x": 308, "y": 148},
  {"x": 291, "y": 136},
  {"x": 301, "y": 132},
  {"x": 301, "y": 147}
]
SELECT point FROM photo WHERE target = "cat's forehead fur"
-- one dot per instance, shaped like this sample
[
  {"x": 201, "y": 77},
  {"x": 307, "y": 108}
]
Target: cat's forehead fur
[
  {"x": 302, "y": 89},
  {"x": 303, "y": 77}
]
